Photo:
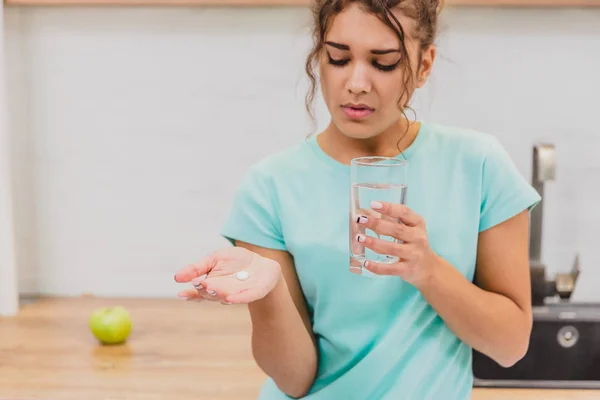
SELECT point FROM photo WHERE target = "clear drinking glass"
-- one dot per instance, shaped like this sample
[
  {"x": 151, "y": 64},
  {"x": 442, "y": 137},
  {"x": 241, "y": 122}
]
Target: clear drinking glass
[{"x": 373, "y": 179}]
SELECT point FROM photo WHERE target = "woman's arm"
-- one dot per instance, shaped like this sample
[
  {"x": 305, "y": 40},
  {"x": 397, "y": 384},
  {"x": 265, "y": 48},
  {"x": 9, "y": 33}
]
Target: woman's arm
[
  {"x": 493, "y": 315},
  {"x": 283, "y": 344}
]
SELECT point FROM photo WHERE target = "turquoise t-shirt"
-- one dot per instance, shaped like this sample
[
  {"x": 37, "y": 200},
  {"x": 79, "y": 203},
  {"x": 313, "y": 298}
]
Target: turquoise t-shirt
[{"x": 377, "y": 337}]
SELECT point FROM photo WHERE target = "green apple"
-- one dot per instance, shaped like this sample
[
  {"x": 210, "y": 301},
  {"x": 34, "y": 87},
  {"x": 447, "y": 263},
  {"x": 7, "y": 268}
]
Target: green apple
[{"x": 110, "y": 325}]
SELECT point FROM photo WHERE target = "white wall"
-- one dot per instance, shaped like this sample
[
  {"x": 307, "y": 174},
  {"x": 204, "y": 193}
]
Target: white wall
[
  {"x": 9, "y": 295},
  {"x": 133, "y": 127}
]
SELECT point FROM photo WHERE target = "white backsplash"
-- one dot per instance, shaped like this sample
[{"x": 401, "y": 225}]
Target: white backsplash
[{"x": 134, "y": 125}]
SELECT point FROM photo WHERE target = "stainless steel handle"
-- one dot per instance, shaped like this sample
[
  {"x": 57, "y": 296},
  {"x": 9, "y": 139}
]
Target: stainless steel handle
[{"x": 544, "y": 163}]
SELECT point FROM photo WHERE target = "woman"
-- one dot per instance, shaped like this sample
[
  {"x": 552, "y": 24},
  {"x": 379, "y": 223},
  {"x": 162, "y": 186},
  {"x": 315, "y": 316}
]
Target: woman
[{"x": 463, "y": 280}]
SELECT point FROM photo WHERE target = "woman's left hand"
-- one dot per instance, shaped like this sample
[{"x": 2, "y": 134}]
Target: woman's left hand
[{"x": 416, "y": 259}]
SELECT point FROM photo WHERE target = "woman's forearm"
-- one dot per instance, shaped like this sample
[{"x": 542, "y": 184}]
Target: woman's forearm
[
  {"x": 281, "y": 344},
  {"x": 489, "y": 322}
]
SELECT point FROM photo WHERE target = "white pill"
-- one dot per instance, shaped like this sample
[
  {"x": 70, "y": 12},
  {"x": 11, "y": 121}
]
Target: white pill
[{"x": 242, "y": 275}]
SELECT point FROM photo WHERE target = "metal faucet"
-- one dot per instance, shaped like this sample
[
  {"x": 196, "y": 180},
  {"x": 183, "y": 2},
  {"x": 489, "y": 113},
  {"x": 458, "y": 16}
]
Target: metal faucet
[{"x": 544, "y": 169}]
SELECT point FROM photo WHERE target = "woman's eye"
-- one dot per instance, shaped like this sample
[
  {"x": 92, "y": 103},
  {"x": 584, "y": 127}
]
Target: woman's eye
[
  {"x": 384, "y": 67},
  {"x": 338, "y": 63}
]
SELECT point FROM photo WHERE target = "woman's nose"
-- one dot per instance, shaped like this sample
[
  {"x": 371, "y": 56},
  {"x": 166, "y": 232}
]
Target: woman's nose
[{"x": 358, "y": 81}]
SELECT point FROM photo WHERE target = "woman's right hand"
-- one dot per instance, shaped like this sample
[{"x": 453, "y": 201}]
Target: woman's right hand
[{"x": 232, "y": 276}]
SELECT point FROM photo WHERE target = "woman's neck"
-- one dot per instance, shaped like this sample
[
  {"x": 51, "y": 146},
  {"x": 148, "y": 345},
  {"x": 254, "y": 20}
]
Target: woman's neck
[{"x": 389, "y": 143}]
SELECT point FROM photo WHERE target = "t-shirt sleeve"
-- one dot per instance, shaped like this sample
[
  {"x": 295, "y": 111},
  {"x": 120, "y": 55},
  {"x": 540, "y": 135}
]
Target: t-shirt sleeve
[
  {"x": 505, "y": 192},
  {"x": 254, "y": 216}
]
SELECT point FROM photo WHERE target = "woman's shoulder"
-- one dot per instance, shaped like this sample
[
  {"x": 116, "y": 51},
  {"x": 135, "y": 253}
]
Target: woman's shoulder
[
  {"x": 471, "y": 141},
  {"x": 470, "y": 147},
  {"x": 283, "y": 162},
  {"x": 485, "y": 162}
]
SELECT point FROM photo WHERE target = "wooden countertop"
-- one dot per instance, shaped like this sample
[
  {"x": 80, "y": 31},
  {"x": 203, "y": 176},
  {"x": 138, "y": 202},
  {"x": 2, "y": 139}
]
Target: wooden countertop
[{"x": 177, "y": 351}]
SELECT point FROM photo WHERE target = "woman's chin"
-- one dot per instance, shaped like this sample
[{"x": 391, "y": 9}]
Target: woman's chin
[{"x": 356, "y": 131}]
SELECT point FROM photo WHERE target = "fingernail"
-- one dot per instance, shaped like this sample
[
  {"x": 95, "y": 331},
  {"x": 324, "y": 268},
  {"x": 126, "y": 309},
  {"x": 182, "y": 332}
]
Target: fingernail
[
  {"x": 182, "y": 295},
  {"x": 362, "y": 219},
  {"x": 196, "y": 281},
  {"x": 361, "y": 238},
  {"x": 376, "y": 205},
  {"x": 211, "y": 292},
  {"x": 366, "y": 264}
]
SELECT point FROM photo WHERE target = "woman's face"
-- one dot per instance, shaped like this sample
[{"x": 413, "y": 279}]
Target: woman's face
[{"x": 362, "y": 77}]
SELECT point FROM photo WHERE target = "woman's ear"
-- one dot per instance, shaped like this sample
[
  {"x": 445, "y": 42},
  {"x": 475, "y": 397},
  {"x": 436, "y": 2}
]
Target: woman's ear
[{"x": 427, "y": 59}]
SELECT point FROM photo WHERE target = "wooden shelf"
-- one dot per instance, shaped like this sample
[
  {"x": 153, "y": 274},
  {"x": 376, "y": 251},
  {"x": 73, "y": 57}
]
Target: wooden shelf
[
  {"x": 259, "y": 3},
  {"x": 227, "y": 3}
]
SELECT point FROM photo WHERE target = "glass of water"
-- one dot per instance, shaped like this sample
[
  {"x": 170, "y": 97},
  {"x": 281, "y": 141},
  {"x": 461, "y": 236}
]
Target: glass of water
[{"x": 382, "y": 179}]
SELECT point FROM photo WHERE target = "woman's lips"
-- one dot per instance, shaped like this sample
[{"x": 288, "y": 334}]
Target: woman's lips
[{"x": 359, "y": 111}]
